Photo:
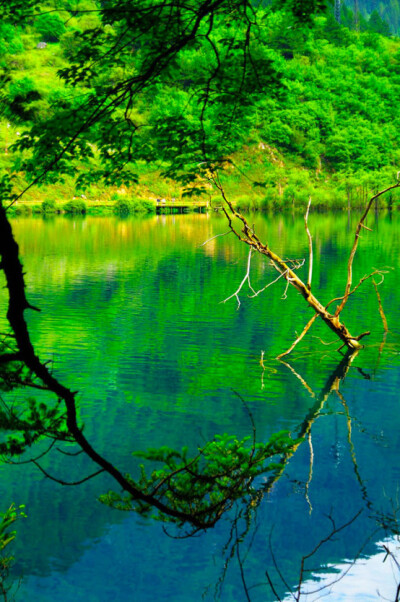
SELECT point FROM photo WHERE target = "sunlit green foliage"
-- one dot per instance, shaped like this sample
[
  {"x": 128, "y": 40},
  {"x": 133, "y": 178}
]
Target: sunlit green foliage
[
  {"x": 50, "y": 26},
  {"x": 75, "y": 206},
  {"x": 125, "y": 206},
  {"x": 265, "y": 96}
]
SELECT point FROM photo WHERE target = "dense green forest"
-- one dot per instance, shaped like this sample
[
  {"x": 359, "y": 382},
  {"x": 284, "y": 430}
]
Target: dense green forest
[
  {"x": 325, "y": 125},
  {"x": 385, "y": 15}
]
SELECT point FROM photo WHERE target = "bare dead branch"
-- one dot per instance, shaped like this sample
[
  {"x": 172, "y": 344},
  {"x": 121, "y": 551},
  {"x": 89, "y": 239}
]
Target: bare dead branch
[
  {"x": 352, "y": 450},
  {"x": 246, "y": 278},
  {"x": 303, "y": 333},
  {"x": 301, "y": 379},
  {"x": 339, "y": 309},
  {"x": 382, "y": 313},
  {"x": 263, "y": 369},
  {"x": 362, "y": 280},
  {"x": 310, "y": 473},
  {"x": 266, "y": 286},
  {"x": 248, "y": 236},
  {"x": 310, "y": 246},
  {"x": 329, "y": 537},
  {"x": 214, "y": 237}
]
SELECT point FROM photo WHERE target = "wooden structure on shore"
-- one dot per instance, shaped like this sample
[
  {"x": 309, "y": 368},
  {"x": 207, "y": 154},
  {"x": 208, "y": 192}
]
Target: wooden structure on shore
[{"x": 181, "y": 207}]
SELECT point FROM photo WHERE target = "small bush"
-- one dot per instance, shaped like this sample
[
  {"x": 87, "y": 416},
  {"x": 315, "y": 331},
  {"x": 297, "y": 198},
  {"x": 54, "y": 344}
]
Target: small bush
[
  {"x": 48, "y": 206},
  {"x": 267, "y": 202},
  {"x": 23, "y": 209},
  {"x": 50, "y": 26},
  {"x": 123, "y": 206},
  {"x": 148, "y": 206},
  {"x": 243, "y": 203},
  {"x": 75, "y": 206}
]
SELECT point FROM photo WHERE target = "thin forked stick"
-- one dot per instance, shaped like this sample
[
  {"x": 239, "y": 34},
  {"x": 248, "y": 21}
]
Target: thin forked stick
[
  {"x": 310, "y": 248},
  {"x": 301, "y": 379},
  {"x": 304, "y": 331},
  {"x": 384, "y": 321},
  {"x": 267, "y": 285},
  {"x": 362, "y": 280},
  {"x": 247, "y": 277},
  {"x": 216, "y": 236},
  {"x": 354, "y": 247}
]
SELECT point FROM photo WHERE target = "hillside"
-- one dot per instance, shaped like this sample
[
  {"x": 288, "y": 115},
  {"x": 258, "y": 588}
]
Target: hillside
[
  {"x": 328, "y": 126},
  {"x": 389, "y": 11}
]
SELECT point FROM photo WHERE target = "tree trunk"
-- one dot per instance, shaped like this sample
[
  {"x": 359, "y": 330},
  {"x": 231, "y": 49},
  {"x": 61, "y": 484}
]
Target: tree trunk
[{"x": 330, "y": 320}]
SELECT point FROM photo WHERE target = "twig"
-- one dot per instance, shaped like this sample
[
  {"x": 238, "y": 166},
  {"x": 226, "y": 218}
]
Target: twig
[
  {"x": 263, "y": 369},
  {"x": 273, "y": 587},
  {"x": 70, "y": 484},
  {"x": 352, "y": 450},
  {"x": 246, "y": 591},
  {"x": 354, "y": 247},
  {"x": 310, "y": 473},
  {"x": 384, "y": 321},
  {"x": 8, "y": 461},
  {"x": 310, "y": 247},
  {"x": 363, "y": 279},
  {"x": 267, "y": 285},
  {"x": 301, "y": 379},
  {"x": 216, "y": 236},
  {"x": 247, "y": 277},
  {"x": 329, "y": 537},
  {"x": 284, "y": 296},
  {"x": 304, "y": 331},
  {"x": 285, "y": 583}
]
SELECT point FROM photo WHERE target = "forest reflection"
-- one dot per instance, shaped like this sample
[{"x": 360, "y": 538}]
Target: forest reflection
[
  {"x": 46, "y": 423},
  {"x": 175, "y": 388}
]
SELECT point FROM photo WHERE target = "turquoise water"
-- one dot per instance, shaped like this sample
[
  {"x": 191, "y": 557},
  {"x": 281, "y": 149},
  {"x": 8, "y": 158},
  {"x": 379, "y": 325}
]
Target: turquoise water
[{"x": 132, "y": 318}]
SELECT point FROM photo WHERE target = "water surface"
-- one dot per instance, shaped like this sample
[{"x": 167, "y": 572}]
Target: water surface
[{"x": 132, "y": 318}]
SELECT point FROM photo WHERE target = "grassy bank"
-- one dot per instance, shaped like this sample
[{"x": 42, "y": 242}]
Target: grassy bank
[{"x": 121, "y": 207}]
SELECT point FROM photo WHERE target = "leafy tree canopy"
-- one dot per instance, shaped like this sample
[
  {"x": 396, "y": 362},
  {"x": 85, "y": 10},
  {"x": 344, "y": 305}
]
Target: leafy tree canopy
[{"x": 176, "y": 84}]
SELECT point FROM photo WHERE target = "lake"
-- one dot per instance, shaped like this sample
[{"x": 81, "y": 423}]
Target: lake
[{"x": 132, "y": 316}]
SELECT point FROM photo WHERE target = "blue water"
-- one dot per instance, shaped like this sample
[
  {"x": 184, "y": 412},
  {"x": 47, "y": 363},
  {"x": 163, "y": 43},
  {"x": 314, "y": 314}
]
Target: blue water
[{"x": 131, "y": 317}]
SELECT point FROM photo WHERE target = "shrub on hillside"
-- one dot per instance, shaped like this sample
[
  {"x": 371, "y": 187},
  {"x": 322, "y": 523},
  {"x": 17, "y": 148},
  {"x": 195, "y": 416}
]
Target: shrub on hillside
[
  {"x": 123, "y": 206},
  {"x": 22, "y": 209},
  {"x": 75, "y": 206},
  {"x": 48, "y": 206},
  {"x": 126, "y": 206},
  {"x": 50, "y": 26},
  {"x": 144, "y": 206}
]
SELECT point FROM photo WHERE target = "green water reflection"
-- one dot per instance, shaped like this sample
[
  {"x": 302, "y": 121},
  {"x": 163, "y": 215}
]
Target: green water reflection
[{"x": 132, "y": 317}]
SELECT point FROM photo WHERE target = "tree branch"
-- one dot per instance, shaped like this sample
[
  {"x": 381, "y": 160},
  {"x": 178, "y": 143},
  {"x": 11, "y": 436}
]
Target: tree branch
[
  {"x": 360, "y": 225},
  {"x": 310, "y": 246},
  {"x": 304, "y": 332}
]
